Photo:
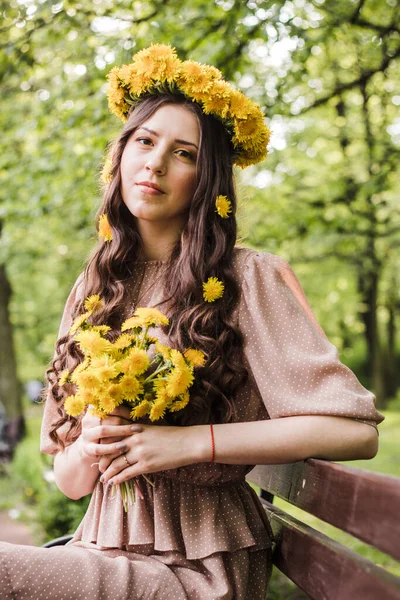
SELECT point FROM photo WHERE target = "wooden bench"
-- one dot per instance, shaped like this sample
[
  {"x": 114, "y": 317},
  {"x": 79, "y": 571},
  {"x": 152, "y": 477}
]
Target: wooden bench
[{"x": 364, "y": 504}]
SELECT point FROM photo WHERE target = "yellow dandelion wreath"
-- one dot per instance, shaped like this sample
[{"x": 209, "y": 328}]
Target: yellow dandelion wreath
[{"x": 157, "y": 69}]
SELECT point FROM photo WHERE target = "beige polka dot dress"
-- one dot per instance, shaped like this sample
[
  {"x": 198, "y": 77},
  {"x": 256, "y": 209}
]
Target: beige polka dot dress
[{"x": 200, "y": 533}]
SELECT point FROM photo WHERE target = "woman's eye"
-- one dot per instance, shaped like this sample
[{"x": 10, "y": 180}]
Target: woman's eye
[
  {"x": 143, "y": 140},
  {"x": 186, "y": 154}
]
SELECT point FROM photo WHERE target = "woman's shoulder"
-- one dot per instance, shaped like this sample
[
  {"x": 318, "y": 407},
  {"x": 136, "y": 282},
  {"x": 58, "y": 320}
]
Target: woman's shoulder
[{"x": 248, "y": 261}]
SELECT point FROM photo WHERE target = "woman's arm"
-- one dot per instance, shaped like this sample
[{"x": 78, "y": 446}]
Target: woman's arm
[
  {"x": 73, "y": 472},
  {"x": 287, "y": 440},
  {"x": 76, "y": 469},
  {"x": 274, "y": 441}
]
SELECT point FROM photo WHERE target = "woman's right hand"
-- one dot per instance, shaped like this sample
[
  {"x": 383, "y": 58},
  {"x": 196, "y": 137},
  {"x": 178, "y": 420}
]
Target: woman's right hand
[{"x": 93, "y": 433}]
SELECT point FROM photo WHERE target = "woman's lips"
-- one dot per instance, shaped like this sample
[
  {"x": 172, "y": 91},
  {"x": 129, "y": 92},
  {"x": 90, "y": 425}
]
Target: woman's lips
[{"x": 149, "y": 190}]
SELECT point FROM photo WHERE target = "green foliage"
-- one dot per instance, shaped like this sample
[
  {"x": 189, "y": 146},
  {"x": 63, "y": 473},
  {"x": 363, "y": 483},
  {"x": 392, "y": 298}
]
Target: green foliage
[
  {"x": 25, "y": 486},
  {"x": 58, "y": 515}
]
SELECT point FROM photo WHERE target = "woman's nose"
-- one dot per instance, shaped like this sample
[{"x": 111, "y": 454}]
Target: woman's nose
[{"x": 156, "y": 164}]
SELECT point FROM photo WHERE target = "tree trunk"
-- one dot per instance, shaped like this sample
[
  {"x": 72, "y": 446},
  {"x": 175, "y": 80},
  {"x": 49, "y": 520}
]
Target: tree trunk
[
  {"x": 10, "y": 387},
  {"x": 368, "y": 288},
  {"x": 390, "y": 363}
]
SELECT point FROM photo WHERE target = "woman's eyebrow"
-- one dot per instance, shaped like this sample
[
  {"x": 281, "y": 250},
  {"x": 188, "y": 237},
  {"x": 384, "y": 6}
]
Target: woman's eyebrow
[{"x": 179, "y": 141}]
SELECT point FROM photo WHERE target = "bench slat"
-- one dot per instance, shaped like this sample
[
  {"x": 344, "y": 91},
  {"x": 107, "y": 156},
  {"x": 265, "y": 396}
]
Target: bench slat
[
  {"x": 362, "y": 503},
  {"x": 322, "y": 568}
]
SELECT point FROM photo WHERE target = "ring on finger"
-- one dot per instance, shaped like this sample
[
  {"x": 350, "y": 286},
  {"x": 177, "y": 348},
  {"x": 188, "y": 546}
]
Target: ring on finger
[{"x": 126, "y": 460}]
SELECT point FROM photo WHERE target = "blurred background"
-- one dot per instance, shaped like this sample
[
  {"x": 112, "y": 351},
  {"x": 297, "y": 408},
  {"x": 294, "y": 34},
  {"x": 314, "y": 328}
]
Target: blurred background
[{"x": 327, "y": 75}]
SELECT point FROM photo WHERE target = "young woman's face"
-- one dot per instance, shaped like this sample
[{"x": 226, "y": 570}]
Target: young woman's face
[{"x": 162, "y": 152}]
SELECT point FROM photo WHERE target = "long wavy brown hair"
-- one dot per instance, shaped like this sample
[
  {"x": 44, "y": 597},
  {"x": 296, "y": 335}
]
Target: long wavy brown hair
[{"x": 205, "y": 249}]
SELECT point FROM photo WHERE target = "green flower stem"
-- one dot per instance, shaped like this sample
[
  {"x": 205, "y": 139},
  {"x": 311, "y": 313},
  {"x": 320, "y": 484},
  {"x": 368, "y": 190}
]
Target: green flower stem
[{"x": 153, "y": 375}]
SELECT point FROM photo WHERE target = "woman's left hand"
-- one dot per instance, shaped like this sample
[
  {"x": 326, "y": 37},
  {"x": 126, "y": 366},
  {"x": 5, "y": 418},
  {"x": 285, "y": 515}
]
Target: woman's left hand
[{"x": 156, "y": 448}]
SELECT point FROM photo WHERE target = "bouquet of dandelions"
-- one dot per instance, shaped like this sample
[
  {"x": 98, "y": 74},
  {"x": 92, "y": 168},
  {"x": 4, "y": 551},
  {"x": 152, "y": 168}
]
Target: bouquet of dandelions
[{"x": 122, "y": 372}]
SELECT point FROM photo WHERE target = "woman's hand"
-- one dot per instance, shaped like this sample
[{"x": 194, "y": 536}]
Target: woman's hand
[
  {"x": 156, "y": 448},
  {"x": 106, "y": 431},
  {"x": 119, "y": 416}
]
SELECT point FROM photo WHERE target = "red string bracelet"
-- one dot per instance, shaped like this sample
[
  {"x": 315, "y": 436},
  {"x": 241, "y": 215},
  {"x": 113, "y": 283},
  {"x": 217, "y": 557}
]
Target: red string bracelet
[{"x": 212, "y": 443}]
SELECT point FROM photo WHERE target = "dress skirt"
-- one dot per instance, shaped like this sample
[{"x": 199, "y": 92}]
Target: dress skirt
[{"x": 81, "y": 571}]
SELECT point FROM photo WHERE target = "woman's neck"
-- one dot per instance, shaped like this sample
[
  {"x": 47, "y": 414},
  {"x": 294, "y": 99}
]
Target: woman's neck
[{"x": 158, "y": 240}]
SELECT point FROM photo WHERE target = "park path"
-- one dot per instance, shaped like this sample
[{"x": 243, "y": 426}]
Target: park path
[{"x": 14, "y": 531}]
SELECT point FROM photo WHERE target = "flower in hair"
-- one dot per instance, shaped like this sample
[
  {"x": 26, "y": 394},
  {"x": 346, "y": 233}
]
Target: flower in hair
[
  {"x": 106, "y": 172},
  {"x": 105, "y": 230},
  {"x": 213, "y": 289},
  {"x": 158, "y": 70},
  {"x": 223, "y": 206}
]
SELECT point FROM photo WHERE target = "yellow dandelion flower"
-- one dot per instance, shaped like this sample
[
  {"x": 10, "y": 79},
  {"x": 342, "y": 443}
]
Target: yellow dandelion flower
[
  {"x": 97, "y": 412},
  {"x": 106, "y": 171},
  {"x": 123, "y": 341},
  {"x": 79, "y": 321},
  {"x": 74, "y": 405},
  {"x": 116, "y": 95},
  {"x": 108, "y": 404},
  {"x": 179, "y": 381},
  {"x": 88, "y": 396},
  {"x": 177, "y": 359},
  {"x": 88, "y": 380},
  {"x": 113, "y": 76},
  {"x": 217, "y": 100},
  {"x": 136, "y": 362},
  {"x": 145, "y": 317},
  {"x": 213, "y": 73},
  {"x": 194, "y": 78},
  {"x": 163, "y": 350},
  {"x": 131, "y": 323},
  {"x": 160, "y": 389},
  {"x": 91, "y": 342},
  {"x": 141, "y": 410},
  {"x": 118, "y": 355},
  {"x": 115, "y": 392},
  {"x": 213, "y": 289},
  {"x": 157, "y": 411},
  {"x": 223, "y": 206},
  {"x": 137, "y": 83},
  {"x": 131, "y": 387},
  {"x": 195, "y": 357},
  {"x": 100, "y": 361},
  {"x": 159, "y": 61},
  {"x": 63, "y": 377},
  {"x": 106, "y": 372},
  {"x": 100, "y": 328},
  {"x": 93, "y": 303},
  {"x": 105, "y": 230},
  {"x": 180, "y": 404},
  {"x": 79, "y": 368},
  {"x": 240, "y": 107}
]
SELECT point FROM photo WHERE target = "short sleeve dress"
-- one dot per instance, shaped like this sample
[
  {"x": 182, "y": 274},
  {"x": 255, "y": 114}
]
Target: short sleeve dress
[{"x": 200, "y": 533}]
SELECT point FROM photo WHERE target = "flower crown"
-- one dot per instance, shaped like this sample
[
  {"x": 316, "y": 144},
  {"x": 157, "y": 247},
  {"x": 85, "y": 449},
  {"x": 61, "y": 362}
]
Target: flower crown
[{"x": 157, "y": 70}]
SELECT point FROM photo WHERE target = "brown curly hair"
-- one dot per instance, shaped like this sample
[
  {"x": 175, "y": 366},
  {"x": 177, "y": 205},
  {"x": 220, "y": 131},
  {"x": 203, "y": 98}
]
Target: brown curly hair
[{"x": 205, "y": 249}]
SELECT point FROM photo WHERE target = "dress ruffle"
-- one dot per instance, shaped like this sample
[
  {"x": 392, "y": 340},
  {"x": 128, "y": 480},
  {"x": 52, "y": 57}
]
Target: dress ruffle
[{"x": 195, "y": 520}]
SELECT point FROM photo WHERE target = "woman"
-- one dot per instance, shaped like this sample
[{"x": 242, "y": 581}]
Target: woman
[{"x": 168, "y": 225}]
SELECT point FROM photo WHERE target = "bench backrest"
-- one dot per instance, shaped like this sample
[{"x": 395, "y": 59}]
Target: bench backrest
[{"x": 362, "y": 503}]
